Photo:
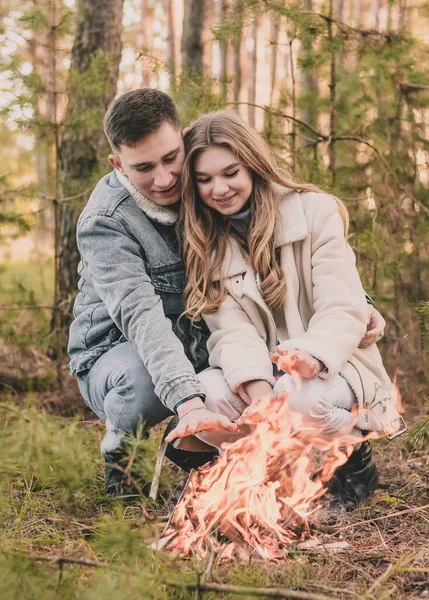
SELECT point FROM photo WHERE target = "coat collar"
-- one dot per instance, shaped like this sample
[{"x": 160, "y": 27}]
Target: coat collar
[
  {"x": 156, "y": 212},
  {"x": 291, "y": 227}
]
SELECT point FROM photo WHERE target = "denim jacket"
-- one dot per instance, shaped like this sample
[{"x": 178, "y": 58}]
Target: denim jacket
[{"x": 130, "y": 289}]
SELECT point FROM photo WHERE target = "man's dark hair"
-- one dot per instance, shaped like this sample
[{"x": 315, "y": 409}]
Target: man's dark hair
[{"x": 133, "y": 116}]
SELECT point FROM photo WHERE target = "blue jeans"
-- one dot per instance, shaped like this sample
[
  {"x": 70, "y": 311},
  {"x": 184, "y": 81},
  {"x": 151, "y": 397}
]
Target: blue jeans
[{"x": 119, "y": 389}]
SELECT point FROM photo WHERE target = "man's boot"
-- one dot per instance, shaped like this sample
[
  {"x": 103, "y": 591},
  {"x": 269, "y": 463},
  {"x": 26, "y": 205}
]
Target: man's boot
[
  {"x": 116, "y": 481},
  {"x": 195, "y": 457},
  {"x": 354, "y": 481}
]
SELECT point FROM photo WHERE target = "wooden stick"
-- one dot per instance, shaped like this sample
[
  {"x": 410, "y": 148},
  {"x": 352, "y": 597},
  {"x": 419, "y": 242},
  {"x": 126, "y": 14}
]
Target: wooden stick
[
  {"x": 266, "y": 592},
  {"x": 153, "y": 492}
]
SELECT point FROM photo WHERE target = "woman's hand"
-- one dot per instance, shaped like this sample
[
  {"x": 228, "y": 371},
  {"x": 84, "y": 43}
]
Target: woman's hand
[
  {"x": 196, "y": 418},
  {"x": 374, "y": 329},
  {"x": 253, "y": 393},
  {"x": 297, "y": 362}
]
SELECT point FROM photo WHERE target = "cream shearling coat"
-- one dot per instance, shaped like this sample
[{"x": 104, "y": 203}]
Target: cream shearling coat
[{"x": 325, "y": 310}]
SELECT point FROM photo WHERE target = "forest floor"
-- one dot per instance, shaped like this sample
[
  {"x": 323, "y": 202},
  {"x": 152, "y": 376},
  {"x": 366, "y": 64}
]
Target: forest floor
[{"x": 61, "y": 538}]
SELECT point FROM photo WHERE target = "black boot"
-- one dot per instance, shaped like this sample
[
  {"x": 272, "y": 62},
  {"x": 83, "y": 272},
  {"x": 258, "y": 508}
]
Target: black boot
[
  {"x": 116, "y": 484},
  {"x": 354, "y": 481},
  {"x": 186, "y": 459}
]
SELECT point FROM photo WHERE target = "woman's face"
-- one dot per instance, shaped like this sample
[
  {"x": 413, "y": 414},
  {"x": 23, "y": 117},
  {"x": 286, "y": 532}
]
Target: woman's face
[{"x": 223, "y": 182}]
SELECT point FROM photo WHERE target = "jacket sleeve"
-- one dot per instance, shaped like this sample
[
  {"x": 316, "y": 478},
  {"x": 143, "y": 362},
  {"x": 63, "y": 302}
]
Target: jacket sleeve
[
  {"x": 236, "y": 347},
  {"x": 122, "y": 283},
  {"x": 340, "y": 313}
]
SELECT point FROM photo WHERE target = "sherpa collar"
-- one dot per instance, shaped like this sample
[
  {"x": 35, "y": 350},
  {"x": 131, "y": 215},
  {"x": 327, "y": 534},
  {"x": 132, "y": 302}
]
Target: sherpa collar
[{"x": 156, "y": 212}]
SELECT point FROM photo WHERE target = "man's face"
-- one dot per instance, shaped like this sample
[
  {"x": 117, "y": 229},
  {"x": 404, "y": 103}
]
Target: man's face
[{"x": 155, "y": 164}]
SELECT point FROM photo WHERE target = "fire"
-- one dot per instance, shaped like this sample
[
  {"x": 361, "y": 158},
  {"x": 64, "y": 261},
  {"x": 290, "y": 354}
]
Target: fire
[{"x": 260, "y": 491}]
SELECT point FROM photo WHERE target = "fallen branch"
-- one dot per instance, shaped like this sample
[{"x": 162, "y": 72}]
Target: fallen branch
[
  {"x": 321, "y": 586},
  {"x": 240, "y": 590}
]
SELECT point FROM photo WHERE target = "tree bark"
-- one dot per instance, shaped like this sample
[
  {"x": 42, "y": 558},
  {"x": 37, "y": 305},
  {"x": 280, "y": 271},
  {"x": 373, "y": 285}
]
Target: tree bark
[
  {"x": 403, "y": 16},
  {"x": 339, "y": 10},
  {"x": 274, "y": 38},
  {"x": 40, "y": 49},
  {"x": 236, "y": 49},
  {"x": 98, "y": 37},
  {"x": 375, "y": 14},
  {"x": 333, "y": 98},
  {"x": 192, "y": 46},
  {"x": 309, "y": 86},
  {"x": 223, "y": 48},
  {"x": 144, "y": 39},
  {"x": 357, "y": 13},
  {"x": 170, "y": 57},
  {"x": 207, "y": 37},
  {"x": 253, "y": 74}
]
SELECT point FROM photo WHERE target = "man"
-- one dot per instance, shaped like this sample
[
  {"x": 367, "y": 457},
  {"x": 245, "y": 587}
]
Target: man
[{"x": 136, "y": 362}]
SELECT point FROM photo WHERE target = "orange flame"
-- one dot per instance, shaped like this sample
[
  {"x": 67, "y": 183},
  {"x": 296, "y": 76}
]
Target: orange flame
[{"x": 260, "y": 491}]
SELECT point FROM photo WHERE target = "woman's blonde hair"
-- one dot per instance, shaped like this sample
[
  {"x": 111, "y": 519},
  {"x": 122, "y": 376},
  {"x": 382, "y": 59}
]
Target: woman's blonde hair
[{"x": 206, "y": 232}]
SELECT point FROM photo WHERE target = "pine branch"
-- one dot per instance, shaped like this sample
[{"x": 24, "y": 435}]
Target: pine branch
[
  {"x": 418, "y": 436},
  {"x": 278, "y": 113},
  {"x": 321, "y": 137},
  {"x": 342, "y": 26}
]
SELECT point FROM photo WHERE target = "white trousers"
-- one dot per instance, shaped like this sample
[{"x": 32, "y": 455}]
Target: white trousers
[{"x": 324, "y": 404}]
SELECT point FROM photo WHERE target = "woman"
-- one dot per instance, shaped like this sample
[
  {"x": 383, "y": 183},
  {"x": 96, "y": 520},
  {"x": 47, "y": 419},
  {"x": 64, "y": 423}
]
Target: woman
[{"x": 269, "y": 268}]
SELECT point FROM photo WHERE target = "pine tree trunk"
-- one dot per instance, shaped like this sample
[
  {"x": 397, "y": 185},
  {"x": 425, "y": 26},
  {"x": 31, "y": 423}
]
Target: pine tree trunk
[
  {"x": 144, "y": 39},
  {"x": 375, "y": 14},
  {"x": 332, "y": 98},
  {"x": 192, "y": 46},
  {"x": 98, "y": 33},
  {"x": 236, "y": 50},
  {"x": 41, "y": 50},
  {"x": 309, "y": 85},
  {"x": 274, "y": 38},
  {"x": 170, "y": 57},
  {"x": 357, "y": 13},
  {"x": 339, "y": 10},
  {"x": 389, "y": 17},
  {"x": 207, "y": 36},
  {"x": 223, "y": 48},
  {"x": 253, "y": 74},
  {"x": 402, "y": 16}
]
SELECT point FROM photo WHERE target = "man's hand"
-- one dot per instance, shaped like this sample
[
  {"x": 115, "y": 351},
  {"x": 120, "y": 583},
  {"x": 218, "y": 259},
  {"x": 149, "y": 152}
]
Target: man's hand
[
  {"x": 374, "y": 329},
  {"x": 194, "y": 417},
  {"x": 297, "y": 362}
]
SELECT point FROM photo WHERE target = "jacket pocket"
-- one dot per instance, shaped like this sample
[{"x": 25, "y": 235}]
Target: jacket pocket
[
  {"x": 169, "y": 283},
  {"x": 170, "y": 278}
]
